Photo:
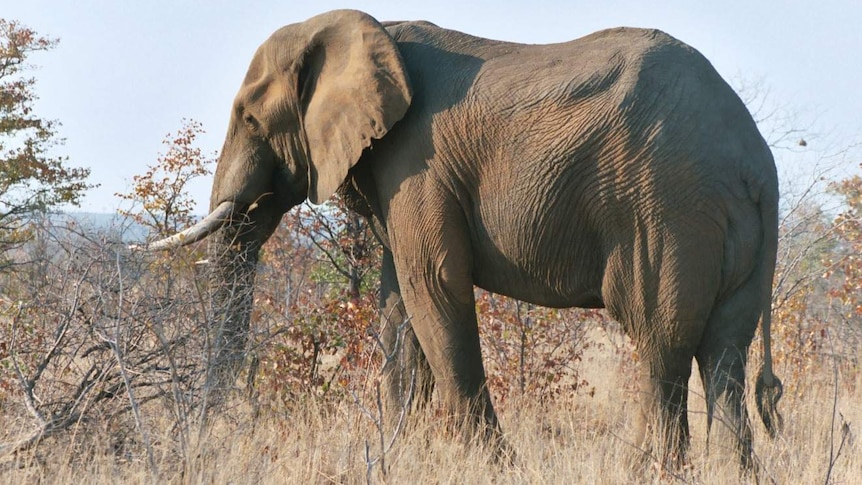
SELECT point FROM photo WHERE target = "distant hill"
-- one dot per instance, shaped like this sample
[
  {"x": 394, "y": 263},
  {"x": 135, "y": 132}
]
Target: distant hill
[{"x": 126, "y": 228}]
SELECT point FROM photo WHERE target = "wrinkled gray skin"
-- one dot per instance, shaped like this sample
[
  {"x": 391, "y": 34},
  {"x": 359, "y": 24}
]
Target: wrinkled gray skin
[{"x": 617, "y": 170}]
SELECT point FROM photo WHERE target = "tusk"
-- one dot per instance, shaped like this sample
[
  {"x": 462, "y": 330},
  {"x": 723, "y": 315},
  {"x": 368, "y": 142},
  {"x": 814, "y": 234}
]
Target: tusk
[{"x": 208, "y": 225}]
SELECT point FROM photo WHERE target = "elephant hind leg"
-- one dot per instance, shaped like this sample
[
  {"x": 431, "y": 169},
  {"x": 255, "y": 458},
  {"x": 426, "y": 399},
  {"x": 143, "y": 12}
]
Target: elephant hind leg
[
  {"x": 662, "y": 294},
  {"x": 722, "y": 358},
  {"x": 728, "y": 428},
  {"x": 663, "y": 420}
]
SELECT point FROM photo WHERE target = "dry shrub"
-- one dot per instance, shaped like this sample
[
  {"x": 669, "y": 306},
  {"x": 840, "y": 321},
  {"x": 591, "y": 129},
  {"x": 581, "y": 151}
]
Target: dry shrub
[
  {"x": 95, "y": 334},
  {"x": 308, "y": 407},
  {"x": 531, "y": 350}
]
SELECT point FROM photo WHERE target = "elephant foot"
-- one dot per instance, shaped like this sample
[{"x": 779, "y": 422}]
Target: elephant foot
[
  {"x": 663, "y": 422},
  {"x": 503, "y": 453},
  {"x": 477, "y": 429},
  {"x": 664, "y": 451},
  {"x": 653, "y": 458}
]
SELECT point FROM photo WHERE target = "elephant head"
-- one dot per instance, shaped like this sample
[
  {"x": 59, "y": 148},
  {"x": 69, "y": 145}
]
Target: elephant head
[{"x": 315, "y": 96}]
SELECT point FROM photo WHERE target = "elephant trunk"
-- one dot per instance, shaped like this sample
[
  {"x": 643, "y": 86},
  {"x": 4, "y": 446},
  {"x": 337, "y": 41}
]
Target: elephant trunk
[{"x": 231, "y": 278}]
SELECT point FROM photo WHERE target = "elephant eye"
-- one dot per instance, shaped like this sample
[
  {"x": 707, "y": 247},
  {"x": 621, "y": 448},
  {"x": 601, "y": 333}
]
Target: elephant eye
[{"x": 251, "y": 122}]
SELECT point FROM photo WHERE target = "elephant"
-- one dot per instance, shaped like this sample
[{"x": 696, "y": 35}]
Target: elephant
[{"x": 617, "y": 170}]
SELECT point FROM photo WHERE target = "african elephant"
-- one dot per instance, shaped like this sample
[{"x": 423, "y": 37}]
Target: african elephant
[{"x": 617, "y": 170}]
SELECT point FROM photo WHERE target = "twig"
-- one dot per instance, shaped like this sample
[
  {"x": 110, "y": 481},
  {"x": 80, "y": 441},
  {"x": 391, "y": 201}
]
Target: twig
[
  {"x": 378, "y": 418},
  {"x": 26, "y": 384},
  {"x": 649, "y": 454},
  {"x": 115, "y": 347},
  {"x": 378, "y": 422}
]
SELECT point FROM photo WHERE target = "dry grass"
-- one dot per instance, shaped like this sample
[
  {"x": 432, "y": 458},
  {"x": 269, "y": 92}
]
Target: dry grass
[{"x": 583, "y": 440}]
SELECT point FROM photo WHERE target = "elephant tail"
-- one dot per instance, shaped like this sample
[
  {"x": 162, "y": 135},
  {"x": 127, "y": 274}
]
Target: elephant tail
[{"x": 769, "y": 389}]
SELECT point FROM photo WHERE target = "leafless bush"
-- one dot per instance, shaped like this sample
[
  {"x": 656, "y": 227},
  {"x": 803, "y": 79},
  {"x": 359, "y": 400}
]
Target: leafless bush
[{"x": 95, "y": 334}]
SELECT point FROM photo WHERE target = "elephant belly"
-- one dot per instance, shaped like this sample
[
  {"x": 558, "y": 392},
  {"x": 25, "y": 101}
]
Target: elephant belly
[{"x": 557, "y": 264}]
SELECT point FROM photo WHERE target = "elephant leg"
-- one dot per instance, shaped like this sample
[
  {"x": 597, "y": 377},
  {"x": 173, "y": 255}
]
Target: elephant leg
[
  {"x": 665, "y": 311},
  {"x": 435, "y": 272},
  {"x": 722, "y": 358},
  {"x": 407, "y": 377},
  {"x": 664, "y": 404},
  {"x": 723, "y": 376}
]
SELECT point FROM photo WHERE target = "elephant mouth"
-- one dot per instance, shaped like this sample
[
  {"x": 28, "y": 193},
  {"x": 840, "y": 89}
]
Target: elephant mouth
[{"x": 216, "y": 219}]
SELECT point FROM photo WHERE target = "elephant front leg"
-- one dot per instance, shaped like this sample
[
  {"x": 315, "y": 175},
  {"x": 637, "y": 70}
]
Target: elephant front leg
[
  {"x": 407, "y": 378},
  {"x": 435, "y": 272},
  {"x": 447, "y": 329}
]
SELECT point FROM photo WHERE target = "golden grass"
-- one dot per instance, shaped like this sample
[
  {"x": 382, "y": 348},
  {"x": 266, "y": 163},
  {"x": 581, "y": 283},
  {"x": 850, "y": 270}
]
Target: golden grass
[{"x": 585, "y": 439}]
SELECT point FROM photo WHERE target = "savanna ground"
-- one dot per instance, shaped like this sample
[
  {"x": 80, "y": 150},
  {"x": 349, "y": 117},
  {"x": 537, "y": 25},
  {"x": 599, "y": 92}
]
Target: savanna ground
[{"x": 584, "y": 437}]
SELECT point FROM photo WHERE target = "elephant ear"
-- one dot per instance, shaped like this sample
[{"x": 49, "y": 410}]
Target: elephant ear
[{"x": 353, "y": 89}]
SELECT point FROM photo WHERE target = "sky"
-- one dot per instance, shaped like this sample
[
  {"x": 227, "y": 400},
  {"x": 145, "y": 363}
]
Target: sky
[{"x": 126, "y": 73}]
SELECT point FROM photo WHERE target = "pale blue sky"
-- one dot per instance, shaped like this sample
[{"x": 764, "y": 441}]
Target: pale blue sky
[{"x": 126, "y": 73}]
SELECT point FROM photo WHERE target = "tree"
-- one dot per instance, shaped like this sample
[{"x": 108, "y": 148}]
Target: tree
[
  {"x": 849, "y": 233},
  {"x": 162, "y": 192},
  {"x": 845, "y": 265},
  {"x": 346, "y": 245},
  {"x": 32, "y": 180}
]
